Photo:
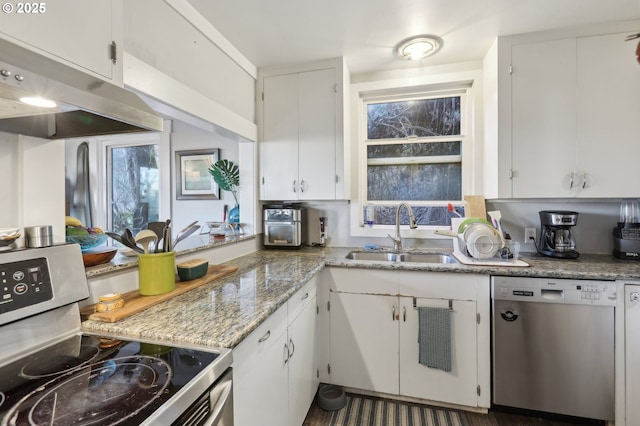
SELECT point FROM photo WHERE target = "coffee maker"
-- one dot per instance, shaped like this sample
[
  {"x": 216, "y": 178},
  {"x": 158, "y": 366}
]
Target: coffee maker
[
  {"x": 556, "y": 239},
  {"x": 626, "y": 235}
]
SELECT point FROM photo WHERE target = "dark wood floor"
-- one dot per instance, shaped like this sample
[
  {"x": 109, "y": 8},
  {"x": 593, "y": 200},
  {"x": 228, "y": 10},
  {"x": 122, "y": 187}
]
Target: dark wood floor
[{"x": 319, "y": 417}]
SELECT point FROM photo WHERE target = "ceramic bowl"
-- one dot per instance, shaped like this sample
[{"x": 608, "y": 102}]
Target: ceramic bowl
[{"x": 331, "y": 397}]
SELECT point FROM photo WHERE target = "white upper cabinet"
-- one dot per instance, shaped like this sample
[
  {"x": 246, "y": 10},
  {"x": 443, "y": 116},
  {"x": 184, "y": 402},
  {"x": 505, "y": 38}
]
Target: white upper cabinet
[
  {"x": 543, "y": 118},
  {"x": 569, "y": 112},
  {"x": 301, "y": 129},
  {"x": 608, "y": 118},
  {"x": 86, "y": 35}
]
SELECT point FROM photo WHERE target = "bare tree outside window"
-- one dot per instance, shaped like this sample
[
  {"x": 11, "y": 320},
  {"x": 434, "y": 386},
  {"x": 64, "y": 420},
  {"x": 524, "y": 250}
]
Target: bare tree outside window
[
  {"x": 134, "y": 187},
  {"x": 414, "y": 154}
]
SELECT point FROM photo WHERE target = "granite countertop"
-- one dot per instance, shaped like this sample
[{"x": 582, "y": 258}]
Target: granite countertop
[{"x": 222, "y": 313}]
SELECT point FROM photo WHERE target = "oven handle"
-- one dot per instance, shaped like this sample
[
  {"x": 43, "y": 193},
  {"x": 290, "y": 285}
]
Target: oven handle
[{"x": 220, "y": 396}]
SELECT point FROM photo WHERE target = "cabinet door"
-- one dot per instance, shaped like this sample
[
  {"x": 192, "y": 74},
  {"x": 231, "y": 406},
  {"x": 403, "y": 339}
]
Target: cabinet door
[
  {"x": 459, "y": 386},
  {"x": 632, "y": 349},
  {"x": 261, "y": 396},
  {"x": 608, "y": 111},
  {"x": 79, "y": 33},
  {"x": 279, "y": 145},
  {"x": 364, "y": 341},
  {"x": 317, "y": 135},
  {"x": 303, "y": 363},
  {"x": 259, "y": 363},
  {"x": 543, "y": 118}
]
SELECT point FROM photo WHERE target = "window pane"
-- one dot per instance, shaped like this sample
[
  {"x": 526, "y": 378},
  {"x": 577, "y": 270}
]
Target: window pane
[
  {"x": 421, "y": 118},
  {"x": 134, "y": 187},
  {"x": 414, "y": 149},
  {"x": 414, "y": 182},
  {"x": 425, "y": 215}
]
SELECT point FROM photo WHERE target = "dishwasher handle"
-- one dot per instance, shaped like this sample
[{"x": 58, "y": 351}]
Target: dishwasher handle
[{"x": 551, "y": 294}]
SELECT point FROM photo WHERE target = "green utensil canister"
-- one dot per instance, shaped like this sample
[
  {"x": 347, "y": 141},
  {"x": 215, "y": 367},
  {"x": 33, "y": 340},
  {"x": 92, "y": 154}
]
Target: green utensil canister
[{"x": 156, "y": 273}]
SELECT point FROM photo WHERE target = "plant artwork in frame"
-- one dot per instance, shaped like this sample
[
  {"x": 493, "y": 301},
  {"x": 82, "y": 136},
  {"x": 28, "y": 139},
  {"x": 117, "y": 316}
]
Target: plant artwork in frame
[{"x": 193, "y": 181}]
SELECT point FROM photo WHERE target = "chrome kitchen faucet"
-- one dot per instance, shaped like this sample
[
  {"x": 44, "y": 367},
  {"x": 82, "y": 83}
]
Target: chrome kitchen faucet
[{"x": 397, "y": 240}]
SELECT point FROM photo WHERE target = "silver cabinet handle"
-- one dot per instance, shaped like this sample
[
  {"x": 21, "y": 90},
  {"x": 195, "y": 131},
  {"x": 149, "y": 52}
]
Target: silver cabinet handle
[
  {"x": 393, "y": 313},
  {"x": 286, "y": 351},
  {"x": 293, "y": 348},
  {"x": 265, "y": 337},
  {"x": 571, "y": 181},
  {"x": 294, "y": 186},
  {"x": 584, "y": 180},
  {"x": 302, "y": 185},
  {"x": 306, "y": 296},
  {"x": 404, "y": 313}
]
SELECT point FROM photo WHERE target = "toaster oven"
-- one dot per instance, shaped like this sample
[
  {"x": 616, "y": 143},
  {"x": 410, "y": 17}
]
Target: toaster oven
[{"x": 284, "y": 226}]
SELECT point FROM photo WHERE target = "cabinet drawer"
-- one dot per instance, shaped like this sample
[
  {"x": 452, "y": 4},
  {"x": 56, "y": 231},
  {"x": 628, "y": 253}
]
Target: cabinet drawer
[
  {"x": 441, "y": 285},
  {"x": 301, "y": 299},
  {"x": 259, "y": 341}
]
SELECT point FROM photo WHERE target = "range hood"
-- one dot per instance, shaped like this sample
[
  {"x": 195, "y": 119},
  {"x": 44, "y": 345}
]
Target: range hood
[{"x": 85, "y": 105}]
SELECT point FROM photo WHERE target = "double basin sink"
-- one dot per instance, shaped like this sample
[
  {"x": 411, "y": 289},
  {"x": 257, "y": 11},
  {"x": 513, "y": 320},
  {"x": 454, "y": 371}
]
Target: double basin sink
[{"x": 402, "y": 257}]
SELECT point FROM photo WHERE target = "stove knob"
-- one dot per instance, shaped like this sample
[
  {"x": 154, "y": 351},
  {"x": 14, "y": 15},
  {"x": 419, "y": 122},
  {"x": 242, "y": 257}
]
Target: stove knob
[
  {"x": 5, "y": 73},
  {"x": 19, "y": 77}
]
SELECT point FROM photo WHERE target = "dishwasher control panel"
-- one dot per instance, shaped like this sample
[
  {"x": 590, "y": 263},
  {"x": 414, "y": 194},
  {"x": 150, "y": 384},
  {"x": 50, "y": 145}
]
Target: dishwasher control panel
[{"x": 548, "y": 290}]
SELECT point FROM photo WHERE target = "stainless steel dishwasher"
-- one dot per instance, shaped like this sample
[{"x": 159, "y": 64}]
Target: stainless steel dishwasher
[{"x": 553, "y": 345}]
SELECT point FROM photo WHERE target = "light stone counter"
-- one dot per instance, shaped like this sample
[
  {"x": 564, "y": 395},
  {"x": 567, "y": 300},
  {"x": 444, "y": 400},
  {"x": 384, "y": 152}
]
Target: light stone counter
[{"x": 222, "y": 313}]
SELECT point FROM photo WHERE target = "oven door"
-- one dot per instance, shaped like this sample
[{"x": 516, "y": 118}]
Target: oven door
[
  {"x": 214, "y": 408},
  {"x": 282, "y": 234}
]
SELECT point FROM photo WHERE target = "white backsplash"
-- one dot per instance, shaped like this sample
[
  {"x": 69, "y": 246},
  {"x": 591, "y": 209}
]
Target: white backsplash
[{"x": 592, "y": 233}]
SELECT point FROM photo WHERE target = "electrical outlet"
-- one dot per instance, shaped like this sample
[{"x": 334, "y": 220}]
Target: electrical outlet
[{"x": 529, "y": 234}]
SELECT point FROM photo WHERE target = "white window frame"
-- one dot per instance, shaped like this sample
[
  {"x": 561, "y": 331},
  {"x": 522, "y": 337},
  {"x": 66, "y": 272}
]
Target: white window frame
[
  {"x": 367, "y": 92},
  {"x": 103, "y": 215}
]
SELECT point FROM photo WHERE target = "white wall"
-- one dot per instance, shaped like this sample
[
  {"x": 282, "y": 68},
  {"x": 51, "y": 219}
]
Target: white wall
[
  {"x": 186, "y": 137},
  {"x": 32, "y": 189}
]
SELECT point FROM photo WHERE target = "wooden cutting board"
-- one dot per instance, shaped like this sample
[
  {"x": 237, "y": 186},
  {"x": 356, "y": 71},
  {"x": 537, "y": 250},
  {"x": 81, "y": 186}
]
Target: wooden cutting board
[
  {"x": 475, "y": 206},
  {"x": 135, "y": 303}
]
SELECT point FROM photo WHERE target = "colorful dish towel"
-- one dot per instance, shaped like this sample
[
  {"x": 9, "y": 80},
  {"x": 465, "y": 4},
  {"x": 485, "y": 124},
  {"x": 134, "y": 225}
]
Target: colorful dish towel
[{"x": 434, "y": 337}]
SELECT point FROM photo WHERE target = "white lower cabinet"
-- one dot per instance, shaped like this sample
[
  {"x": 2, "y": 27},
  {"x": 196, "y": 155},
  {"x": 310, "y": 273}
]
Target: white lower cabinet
[
  {"x": 374, "y": 333},
  {"x": 459, "y": 386},
  {"x": 364, "y": 342},
  {"x": 275, "y": 367}
]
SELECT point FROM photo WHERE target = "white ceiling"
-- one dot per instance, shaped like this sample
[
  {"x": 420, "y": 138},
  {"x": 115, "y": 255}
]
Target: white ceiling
[{"x": 274, "y": 32}]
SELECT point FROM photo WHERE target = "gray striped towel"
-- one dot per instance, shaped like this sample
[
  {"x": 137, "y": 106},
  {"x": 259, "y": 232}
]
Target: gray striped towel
[{"x": 434, "y": 337}]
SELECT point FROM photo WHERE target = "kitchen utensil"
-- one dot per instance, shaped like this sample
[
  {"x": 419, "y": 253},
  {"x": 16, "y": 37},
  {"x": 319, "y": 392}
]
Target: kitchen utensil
[
  {"x": 166, "y": 237},
  {"x": 496, "y": 216},
  {"x": 185, "y": 233},
  {"x": 130, "y": 244},
  {"x": 129, "y": 241},
  {"x": 145, "y": 238},
  {"x": 475, "y": 206}
]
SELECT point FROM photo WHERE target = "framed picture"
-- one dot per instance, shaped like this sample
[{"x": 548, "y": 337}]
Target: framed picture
[{"x": 193, "y": 181}]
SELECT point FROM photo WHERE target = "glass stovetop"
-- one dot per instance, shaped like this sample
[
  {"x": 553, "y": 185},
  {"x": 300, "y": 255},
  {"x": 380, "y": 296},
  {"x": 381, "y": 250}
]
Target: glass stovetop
[{"x": 88, "y": 380}]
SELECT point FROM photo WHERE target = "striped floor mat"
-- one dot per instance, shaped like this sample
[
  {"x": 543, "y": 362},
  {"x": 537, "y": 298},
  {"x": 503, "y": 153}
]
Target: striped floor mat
[{"x": 365, "y": 411}]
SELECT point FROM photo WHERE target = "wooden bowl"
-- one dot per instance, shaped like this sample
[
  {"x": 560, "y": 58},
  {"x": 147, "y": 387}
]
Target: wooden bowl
[{"x": 98, "y": 255}]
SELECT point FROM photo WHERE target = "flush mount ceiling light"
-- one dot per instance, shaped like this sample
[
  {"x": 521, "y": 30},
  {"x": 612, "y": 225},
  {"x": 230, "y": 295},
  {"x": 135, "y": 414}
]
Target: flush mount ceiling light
[{"x": 418, "y": 47}]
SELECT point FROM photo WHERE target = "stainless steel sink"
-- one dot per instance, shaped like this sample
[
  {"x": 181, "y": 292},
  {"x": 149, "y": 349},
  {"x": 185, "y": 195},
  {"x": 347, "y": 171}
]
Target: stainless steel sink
[{"x": 402, "y": 257}]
